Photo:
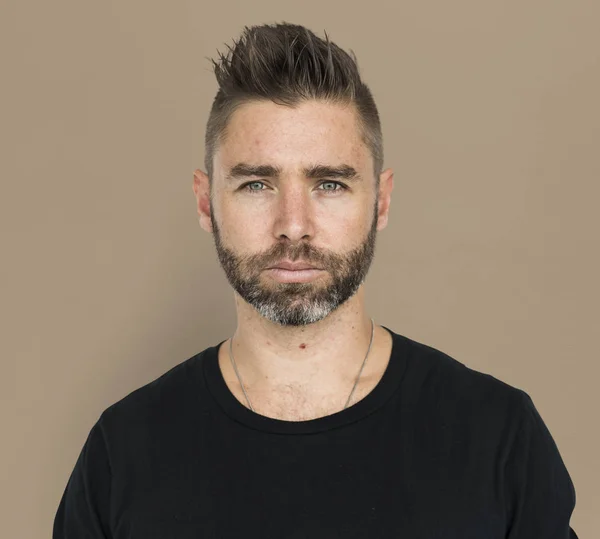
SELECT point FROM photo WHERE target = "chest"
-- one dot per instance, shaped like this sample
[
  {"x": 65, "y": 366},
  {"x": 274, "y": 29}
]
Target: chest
[{"x": 371, "y": 484}]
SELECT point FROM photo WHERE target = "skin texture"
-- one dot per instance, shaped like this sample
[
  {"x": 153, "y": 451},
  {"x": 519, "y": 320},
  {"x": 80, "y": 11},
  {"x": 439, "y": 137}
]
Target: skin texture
[{"x": 298, "y": 346}]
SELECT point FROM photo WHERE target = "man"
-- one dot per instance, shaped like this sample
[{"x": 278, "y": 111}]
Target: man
[{"x": 311, "y": 421}]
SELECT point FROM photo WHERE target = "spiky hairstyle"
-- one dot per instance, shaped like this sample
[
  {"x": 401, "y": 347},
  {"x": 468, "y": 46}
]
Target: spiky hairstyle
[{"x": 287, "y": 64}]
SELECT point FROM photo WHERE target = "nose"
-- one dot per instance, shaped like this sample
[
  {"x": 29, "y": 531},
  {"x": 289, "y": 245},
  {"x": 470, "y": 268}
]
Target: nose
[{"x": 295, "y": 213}]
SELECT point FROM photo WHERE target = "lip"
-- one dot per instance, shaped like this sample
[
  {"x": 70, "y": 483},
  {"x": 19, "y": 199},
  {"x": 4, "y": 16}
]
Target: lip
[
  {"x": 293, "y": 266},
  {"x": 294, "y": 276}
]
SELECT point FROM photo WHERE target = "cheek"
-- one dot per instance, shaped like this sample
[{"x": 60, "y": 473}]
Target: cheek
[
  {"x": 341, "y": 229},
  {"x": 243, "y": 226}
]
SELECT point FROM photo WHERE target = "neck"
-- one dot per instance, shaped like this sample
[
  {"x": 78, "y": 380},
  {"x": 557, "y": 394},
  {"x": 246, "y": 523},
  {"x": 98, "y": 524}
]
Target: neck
[{"x": 323, "y": 357}]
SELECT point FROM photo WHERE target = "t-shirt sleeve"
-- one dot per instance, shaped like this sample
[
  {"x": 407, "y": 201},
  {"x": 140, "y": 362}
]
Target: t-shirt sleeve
[
  {"x": 84, "y": 506},
  {"x": 540, "y": 493}
]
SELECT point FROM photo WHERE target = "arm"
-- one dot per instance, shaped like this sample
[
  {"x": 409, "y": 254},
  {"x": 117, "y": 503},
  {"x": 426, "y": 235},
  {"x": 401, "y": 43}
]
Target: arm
[
  {"x": 83, "y": 509},
  {"x": 540, "y": 493}
]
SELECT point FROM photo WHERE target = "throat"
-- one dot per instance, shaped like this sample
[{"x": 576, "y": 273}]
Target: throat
[{"x": 306, "y": 401}]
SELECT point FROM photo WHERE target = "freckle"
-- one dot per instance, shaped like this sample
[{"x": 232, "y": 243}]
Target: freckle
[{"x": 303, "y": 346}]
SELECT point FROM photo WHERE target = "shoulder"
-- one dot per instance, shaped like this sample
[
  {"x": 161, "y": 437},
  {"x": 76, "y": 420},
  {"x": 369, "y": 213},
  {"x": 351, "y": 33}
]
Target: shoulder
[
  {"x": 159, "y": 402},
  {"x": 435, "y": 377}
]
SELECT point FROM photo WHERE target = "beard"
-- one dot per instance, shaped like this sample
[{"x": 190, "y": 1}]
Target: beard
[{"x": 297, "y": 304}]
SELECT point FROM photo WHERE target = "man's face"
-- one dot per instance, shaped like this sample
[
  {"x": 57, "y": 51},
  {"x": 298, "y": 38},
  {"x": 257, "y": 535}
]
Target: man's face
[{"x": 292, "y": 210}]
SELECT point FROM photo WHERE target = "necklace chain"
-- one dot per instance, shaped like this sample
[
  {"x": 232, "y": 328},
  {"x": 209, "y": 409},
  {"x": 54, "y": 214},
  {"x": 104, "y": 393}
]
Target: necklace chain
[{"x": 353, "y": 387}]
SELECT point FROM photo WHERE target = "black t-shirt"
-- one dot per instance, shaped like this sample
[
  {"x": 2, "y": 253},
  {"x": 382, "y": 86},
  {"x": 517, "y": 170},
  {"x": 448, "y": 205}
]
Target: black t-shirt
[{"x": 435, "y": 451}]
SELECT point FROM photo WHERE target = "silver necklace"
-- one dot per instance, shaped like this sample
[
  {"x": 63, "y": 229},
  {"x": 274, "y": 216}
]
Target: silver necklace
[{"x": 351, "y": 392}]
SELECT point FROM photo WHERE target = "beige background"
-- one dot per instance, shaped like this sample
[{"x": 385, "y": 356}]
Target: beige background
[{"x": 491, "y": 121}]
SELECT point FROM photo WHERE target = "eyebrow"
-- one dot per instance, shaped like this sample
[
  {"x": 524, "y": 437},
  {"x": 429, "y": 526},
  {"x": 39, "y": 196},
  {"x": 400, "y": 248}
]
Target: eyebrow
[{"x": 244, "y": 170}]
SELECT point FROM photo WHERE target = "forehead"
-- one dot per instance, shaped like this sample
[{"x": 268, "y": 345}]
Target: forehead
[{"x": 310, "y": 132}]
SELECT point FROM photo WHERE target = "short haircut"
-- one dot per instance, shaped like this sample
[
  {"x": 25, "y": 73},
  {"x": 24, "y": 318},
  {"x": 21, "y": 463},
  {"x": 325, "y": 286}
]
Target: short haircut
[{"x": 288, "y": 64}]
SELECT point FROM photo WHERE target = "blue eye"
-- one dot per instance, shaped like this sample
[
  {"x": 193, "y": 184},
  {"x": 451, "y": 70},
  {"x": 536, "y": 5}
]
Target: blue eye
[
  {"x": 340, "y": 185},
  {"x": 253, "y": 190}
]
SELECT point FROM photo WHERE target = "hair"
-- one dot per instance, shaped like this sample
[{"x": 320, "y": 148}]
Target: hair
[{"x": 288, "y": 64}]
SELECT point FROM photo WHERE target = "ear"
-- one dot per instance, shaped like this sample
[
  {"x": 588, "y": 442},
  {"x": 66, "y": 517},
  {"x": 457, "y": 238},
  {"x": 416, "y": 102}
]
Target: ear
[
  {"x": 386, "y": 186},
  {"x": 201, "y": 187}
]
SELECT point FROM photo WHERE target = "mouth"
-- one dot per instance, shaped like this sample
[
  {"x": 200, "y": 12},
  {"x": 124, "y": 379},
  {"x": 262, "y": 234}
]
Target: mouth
[
  {"x": 303, "y": 275},
  {"x": 293, "y": 266}
]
